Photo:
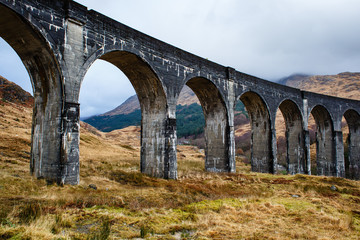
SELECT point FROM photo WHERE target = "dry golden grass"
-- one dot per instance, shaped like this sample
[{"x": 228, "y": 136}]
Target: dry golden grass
[{"x": 128, "y": 204}]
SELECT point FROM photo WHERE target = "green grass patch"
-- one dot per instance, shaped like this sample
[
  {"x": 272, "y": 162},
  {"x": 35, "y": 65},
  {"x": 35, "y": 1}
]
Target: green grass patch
[
  {"x": 295, "y": 204},
  {"x": 213, "y": 205}
]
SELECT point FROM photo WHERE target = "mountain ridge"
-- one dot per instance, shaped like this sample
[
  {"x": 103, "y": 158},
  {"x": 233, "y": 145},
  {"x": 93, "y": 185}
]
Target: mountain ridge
[
  {"x": 345, "y": 85},
  {"x": 186, "y": 98},
  {"x": 313, "y": 83}
]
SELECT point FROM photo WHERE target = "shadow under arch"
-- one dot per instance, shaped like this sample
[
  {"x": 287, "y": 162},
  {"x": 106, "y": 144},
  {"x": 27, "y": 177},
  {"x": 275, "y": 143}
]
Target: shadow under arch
[
  {"x": 150, "y": 92},
  {"x": 325, "y": 146},
  {"x": 216, "y": 125},
  {"x": 45, "y": 75},
  {"x": 262, "y": 159},
  {"x": 352, "y": 161},
  {"x": 295, "y": 139}
]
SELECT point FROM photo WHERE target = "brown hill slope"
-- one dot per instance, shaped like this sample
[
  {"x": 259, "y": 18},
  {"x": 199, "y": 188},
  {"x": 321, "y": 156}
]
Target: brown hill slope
[
  {"x": 127, "y": 204},
  {"x": 12, "y": 93},
  {"x": 345, "y": 85}
]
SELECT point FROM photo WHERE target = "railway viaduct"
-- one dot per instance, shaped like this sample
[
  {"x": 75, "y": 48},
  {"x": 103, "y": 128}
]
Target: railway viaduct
[{"x": 58, "y": 40}]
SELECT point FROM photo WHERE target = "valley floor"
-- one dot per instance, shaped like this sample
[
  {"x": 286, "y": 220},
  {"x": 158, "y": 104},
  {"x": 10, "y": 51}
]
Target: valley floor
[{"x": 129, "y": 205}]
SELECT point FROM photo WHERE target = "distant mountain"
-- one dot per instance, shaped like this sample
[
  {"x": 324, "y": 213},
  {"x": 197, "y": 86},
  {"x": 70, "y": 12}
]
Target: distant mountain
[
  {"x": 190, "y": 118},
  {"x": 186, "y": 97},
  {"x": 12, "y": 93},
  {"x": 294, "y": 80},
  {"x": 189, "y": 115},
  {"x": 129, "y": 106},
  {"x": 345, "y": 85}
]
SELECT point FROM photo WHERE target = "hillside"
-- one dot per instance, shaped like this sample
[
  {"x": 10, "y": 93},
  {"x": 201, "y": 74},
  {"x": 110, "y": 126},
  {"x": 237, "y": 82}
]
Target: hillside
[
  {"x": 186, "y": 97},
  {"x": 345, "y": 85},
  {"x": 115, "y": 201},
  {"x": 12, "y": 93},
  {"x": 190, "y": 124},
  {"x": 190, "y": 118}
]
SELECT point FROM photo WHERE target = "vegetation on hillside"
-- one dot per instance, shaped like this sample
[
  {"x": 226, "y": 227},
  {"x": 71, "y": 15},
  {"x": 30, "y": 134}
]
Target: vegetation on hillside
[
  {"x": 189, "y": 120},
  {"x": 109, "y": 123},
  {"x": 115, "y": 201}
]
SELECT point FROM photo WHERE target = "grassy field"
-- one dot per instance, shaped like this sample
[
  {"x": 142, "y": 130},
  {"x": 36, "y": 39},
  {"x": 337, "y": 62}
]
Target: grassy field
[{"x": 129, "y": 205}]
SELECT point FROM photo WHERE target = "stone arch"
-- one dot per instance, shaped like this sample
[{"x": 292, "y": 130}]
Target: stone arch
[
  {"x": 153, "y": 103},
  {"x": 325, "y": 149},
  {"x": 261, "y": 144},
  {"x": 216, "y": 125},
  {"x": 295, "y": 139},
  {"x": 46, "y": 78},
  {"x": 352, "y": 162}
]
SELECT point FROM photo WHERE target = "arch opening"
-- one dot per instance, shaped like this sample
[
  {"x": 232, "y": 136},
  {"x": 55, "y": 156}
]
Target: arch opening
[
  {"x": 103, "y": 89},
  {"x": 261, "y": 152},
  {"x": 16, "y": 109},
  {"x": 242, "y": 137},
  {"x": 281, "y": 143},
  {"x": 216, "y": 131},
  {"x": 351, "y": 145},
  {"x": 312, "y": 142},
  {"x": 324, "y": 137},
  {"x": 152, "y": 99},
  {"x": 292, "y": 143},
  {"x": 190, "y": 124},
  {"x": 12, "y": 68},
  {"x": 45, "y": 77}
]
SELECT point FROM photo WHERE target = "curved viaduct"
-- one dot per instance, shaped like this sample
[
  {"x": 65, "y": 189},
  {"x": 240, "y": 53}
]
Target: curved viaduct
[{"x": 59, "y": 40}]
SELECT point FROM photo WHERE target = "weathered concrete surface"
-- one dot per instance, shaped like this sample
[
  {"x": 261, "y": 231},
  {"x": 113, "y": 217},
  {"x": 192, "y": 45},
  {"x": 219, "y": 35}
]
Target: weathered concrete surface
[
  {"x": 325, "y": 137},
  {"x": 295, "y": 140},
  {"x": 38, "y": 58},
  {"x": 352, "y": 162},
  {"x": 261, "y": 134},
  {"x": 216, "y": 125},
  {"x": 59, "y": 40}
]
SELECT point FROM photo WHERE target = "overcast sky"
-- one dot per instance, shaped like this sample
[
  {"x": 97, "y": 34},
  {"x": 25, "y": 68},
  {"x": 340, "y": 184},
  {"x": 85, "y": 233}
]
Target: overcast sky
[{"x": 270, "y": 39}]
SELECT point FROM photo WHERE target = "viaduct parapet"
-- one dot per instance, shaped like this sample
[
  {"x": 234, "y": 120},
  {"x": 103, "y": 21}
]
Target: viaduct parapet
[{"x": 58, "y": 40}]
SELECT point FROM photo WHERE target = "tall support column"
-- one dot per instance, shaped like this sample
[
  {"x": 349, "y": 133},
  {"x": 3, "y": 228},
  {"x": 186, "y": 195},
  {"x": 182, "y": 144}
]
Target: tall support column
[
  {"x": 69, "y": 165},
  {"x": 232, "y": 158},
  {"x": 170, "y": 171},
  {"x": 46, "y": 140},
  {"x": 339, "y": 154},
  {"x": 72, "y": 60},
  {"x": 306, "y": 134},
  {"x": 216, "y": 139},
  {"x": 353, "y": 166},
  {"x": 231, "y": 76},
  {"x": 307, "y": 161},
  {"x": 158, "y": 145},
  {"x": 273, "y": 152}
]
